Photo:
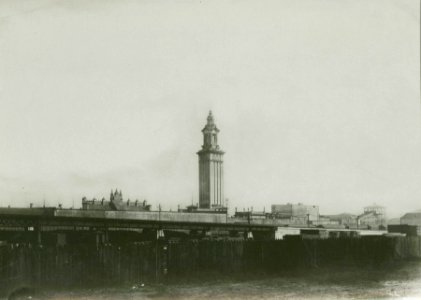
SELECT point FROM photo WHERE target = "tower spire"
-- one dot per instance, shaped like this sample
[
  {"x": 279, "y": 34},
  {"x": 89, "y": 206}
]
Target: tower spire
[{"x": 210, "y": 118}]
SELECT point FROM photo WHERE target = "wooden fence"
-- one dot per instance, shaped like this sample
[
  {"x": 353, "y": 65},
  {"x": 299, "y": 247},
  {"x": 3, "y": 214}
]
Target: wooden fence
[{"x": 86, "y": 265}]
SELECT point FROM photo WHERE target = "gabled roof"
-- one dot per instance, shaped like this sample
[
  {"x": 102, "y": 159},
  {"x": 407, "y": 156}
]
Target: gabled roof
[{"x": 412, "y": 215}]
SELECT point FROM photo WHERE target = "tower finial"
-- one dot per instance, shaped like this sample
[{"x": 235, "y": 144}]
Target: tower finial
[{"x": 210, "y": 117}]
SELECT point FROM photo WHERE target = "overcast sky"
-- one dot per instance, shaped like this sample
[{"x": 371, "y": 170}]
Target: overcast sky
[{"x": 317, "y": 101}]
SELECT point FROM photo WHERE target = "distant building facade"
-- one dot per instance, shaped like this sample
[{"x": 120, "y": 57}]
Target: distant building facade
[
  {"x": 211, "y": 169},
  {"x": 346, "y": 220},
  {"x": 296, "y": 213},
  {"x": 326, "y": 221},
  {"x": 412, "y": 218},
  {"x": 251, "y": 215},
  {"x": 374, "y": 217},
  {"x": 116, "y": 202}
]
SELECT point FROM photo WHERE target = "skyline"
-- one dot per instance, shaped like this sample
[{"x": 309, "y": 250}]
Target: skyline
[{"x": 110, "y": 96}]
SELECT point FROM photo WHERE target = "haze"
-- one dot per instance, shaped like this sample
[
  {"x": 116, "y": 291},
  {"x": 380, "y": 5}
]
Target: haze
[{"x": 317, "y": 101}]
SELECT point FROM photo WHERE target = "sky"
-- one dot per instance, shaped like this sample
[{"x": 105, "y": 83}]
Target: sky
[{"x": 317, "y": 101}]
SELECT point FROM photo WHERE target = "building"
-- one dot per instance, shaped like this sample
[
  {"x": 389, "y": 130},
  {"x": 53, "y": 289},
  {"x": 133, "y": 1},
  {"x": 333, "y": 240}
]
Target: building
[
  {"x": 410, "y": 224},
  {"x": 296, "y": 213},
  {"x": 326, "y": 221},
  {"x": 251, "y": 215},
  {"x": 282, "y": 232},
  {"x": 377, "y": 209},
  {"x": 412, "y": 218},
  {"x": 344, "y": 219},
  {"x": 374, "y": 217},
  {"x": 211, "y": 169},
  {"x": 116, "y": 202},
  {"x": 407, "y": 230}
]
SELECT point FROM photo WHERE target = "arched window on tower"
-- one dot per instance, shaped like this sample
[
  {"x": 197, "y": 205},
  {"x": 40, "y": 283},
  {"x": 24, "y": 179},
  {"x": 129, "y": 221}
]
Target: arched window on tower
[{"x": 208, "y": 140}]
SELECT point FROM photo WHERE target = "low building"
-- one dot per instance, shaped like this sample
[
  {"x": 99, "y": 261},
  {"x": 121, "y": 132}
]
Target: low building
[
  {"x": 374, "y": 217},
  {"x": 327, "y": 221},
  {"x": 408, "y": 230},
  {"x": 195, "y": 209},
  {"x": 412, "y": 218},
  {"x": 281, "y": 232},
  {"x": 116, "y": 202},
  {"x": 251, "y": 215},
  {"x": 344, "y": 219},
  {"x": 296, "y": 213}
]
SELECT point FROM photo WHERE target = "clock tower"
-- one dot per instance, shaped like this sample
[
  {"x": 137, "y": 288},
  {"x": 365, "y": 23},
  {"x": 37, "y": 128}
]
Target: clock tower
[{"x": 211, "y": 171}]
